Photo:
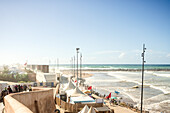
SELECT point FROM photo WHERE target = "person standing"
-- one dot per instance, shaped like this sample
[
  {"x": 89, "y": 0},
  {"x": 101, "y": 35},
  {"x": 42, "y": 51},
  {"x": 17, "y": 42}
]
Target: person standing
[
  {"x": 25, "y": 87},
  {"x": 30, "y": 88},
  {"x": 3, "y": 94},
  {"x": 9, "y": 90},
  {"x": 16, "y": 88}
]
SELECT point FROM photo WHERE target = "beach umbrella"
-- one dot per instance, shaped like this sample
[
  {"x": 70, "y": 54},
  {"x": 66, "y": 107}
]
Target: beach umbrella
[{"x": 117, "y": 92}]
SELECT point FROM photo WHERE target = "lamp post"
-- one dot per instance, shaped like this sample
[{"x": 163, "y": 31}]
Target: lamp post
[
  {"x": 57, "y": 63},
  {"x": 71, "y": 65},
  {"x": 74, "y": 67},
  {"x": 143, "y": 62},
  {"x": 77, "y": 65},
  {"x": 80, "y": 66}
]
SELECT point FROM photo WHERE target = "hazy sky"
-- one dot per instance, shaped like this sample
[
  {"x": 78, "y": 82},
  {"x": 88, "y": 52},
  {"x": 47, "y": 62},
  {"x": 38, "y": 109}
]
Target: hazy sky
[{"x": 107, "y": 31}]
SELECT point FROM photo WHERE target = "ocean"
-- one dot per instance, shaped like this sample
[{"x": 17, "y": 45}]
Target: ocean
[
  {"x": 156, "y": 88},
  {"x": 156, "y": 84},
  {"x": 118, "y": 66}
]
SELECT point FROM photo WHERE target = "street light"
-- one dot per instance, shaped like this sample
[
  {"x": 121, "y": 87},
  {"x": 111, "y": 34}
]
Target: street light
[
  {"x": 143, "y": 62},
  {"x": 77, "y": 65},
  {"x": 74, "y": 67},
  {"x": 57, "y": 63},
  {"x": 80, "y": 67}
]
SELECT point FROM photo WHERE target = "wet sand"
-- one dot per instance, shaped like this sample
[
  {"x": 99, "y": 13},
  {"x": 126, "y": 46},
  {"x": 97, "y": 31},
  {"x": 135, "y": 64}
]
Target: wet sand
[
  {"x": 116, "y": 108},
  {"x": 84, "y": 74}
]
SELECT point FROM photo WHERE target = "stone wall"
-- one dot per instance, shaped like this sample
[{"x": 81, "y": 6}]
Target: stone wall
[
  {"x": 40, "y": 100},
  {"x": 13, "y": 106}
]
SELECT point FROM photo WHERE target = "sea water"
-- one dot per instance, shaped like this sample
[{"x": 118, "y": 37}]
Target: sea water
[
  {"x": 116, "y": 66},
  {"x": 156, "y": 88},
  {"x": 156, "y": 84}
]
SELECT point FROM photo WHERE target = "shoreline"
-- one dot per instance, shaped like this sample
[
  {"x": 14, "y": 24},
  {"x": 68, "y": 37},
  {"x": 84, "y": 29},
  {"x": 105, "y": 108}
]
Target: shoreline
[
  {"x": 113, "y": 70},
  {"x": 118, "y": 108},
  {"x": 89, "y": 72},
  {"x": 122, "y": 107},
  {"x": 126, "y": 101}
]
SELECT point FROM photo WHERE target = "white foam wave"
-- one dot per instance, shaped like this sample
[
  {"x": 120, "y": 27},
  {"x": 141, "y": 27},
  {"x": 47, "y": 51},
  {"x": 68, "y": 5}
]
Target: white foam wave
[
  {"x": 122, "y": 92},
  {"x": 132, "y": 97},
  {"x": 159, "y": 107},
  {"x": 124, "y": 78},
  {"x": 162, "y": 75},
  {"x": 161, "y": 89},
  {"x": 158, "y": 74},
  {"x": 107, "y": 81}
]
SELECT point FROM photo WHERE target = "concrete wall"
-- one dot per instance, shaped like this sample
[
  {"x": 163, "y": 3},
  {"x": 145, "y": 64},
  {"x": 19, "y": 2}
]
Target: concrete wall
[
  {"x": 42, "y": 68},
  {"x": 13, "y": 106},
  {"x": 36, "y": 101}
]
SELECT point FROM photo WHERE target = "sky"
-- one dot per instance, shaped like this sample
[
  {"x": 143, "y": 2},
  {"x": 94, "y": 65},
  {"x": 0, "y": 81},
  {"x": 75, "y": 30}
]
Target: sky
[{"x": 106, "y": 31}]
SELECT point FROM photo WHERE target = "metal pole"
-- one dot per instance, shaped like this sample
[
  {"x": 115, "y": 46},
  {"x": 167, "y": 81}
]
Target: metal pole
[
  {"x": 80, "y": 66},
  {"x": 71, "y": 66},
  {"x": 49, "y": 65},
  {"x": 57, "y": 63},
  {"x": 55, "y": 66},
  {"x": 77, "y": 65},
  {"x": 74, "y": 67},
  {"x": 143, "y": 61}
]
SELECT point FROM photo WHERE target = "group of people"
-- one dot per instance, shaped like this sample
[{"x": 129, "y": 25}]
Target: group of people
[
  {"x": 15, "y": 89},
  {"x": 114, "y": 101},
  {"x": 20, "y": 88}
]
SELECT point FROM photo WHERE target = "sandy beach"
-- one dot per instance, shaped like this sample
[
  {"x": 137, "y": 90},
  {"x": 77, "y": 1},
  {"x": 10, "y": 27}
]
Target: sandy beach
[
  {"x": 84, "y": 74},
  {"x": 117, "y": 108}
]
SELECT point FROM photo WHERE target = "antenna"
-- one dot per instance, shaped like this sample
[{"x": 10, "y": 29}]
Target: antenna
[{"x": 143, "y": 62}]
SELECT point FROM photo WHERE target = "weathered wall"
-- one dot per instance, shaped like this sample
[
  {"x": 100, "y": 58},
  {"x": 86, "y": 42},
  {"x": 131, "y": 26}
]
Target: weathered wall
[
  {"x": 13, "y": 106},
  {"x": 42, "y": 68},
  {"x": 38, "y": 101}
]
